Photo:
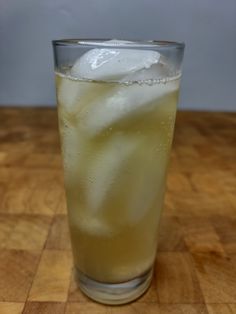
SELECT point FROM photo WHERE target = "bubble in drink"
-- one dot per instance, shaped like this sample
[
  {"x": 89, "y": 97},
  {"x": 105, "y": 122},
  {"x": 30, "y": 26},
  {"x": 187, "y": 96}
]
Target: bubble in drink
[{"x": 117, "y": 111}]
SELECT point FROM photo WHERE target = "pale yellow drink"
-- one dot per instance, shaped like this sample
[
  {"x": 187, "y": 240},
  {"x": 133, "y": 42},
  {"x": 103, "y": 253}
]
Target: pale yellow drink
[{"x": 115, "y": 155}]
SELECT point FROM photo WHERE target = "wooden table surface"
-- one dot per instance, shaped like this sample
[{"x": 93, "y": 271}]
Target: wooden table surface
[{"x": 195, "y": 271}]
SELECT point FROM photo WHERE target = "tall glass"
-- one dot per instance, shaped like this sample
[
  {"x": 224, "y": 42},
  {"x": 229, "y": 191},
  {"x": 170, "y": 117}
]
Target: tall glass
[{"x": 116, "y": 107}]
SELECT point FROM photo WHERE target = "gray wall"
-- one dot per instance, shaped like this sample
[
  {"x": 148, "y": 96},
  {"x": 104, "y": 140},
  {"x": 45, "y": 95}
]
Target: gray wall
[{"x": 207, "y": 26}]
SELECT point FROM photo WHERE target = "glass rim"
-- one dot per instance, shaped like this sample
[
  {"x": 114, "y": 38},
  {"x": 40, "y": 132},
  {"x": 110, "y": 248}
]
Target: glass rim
[{"x": 106, "y": 43}]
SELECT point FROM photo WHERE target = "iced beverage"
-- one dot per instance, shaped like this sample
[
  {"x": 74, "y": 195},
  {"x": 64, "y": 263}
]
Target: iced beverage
[{"x": 116, "y": 117}]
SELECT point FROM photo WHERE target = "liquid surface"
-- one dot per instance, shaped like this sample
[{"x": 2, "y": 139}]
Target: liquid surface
[{"x": 116, "y": 141}]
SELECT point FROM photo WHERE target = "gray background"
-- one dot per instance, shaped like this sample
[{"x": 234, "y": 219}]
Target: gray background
[{"x": 207, "y": 26}]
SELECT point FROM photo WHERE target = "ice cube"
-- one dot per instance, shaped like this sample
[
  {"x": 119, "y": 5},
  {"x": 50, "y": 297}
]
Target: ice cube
[
  {"x": 106, "y": 166},
  {"x": 122, "y": 102},
  {"x": 113, "y": 63},
  {"x": 70, "y": 92},
  {"x": 94, "y": 226},
  {"x": 161, "y": 70},
  {"x": 86, "y": 222}
]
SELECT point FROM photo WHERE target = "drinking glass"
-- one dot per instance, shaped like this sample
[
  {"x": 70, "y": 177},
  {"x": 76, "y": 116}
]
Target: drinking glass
[{"x": 116, "y": 108}]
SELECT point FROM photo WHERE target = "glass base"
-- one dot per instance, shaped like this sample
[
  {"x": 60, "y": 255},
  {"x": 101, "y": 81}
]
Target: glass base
[{"x": 109, "y": 293}]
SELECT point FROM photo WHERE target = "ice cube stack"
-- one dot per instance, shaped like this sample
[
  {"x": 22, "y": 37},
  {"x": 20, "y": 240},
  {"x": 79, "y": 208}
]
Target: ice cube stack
[
  {"x": 120, "y": 65},
  {"x": 135, "y": 70}
]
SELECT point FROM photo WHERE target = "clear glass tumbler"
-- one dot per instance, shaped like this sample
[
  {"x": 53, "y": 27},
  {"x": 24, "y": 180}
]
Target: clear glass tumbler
[{"x": 116, "y": 108}]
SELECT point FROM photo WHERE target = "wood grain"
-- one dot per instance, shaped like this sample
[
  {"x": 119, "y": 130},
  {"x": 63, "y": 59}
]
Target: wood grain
[
  {"x": 225, "y": 228},
  {"x": 195, "y": 271},
  {"x": 183, "y": 309},
  {"x": 171, "y": 235},
  {"x": 86, "y": 308},
  {"x": 221, "y": 308},
  {"x": 59, "y": 238},
  {"x": 134, "y": 308},
  {"x": 17, "y": 271},
  {"x": 217, "y": 277},
  {"x": 7, "y": 224},
  {"x": 11, "y": 307},
  {"x": 176, "y": 279},
  {"x": 29, "y": 232},
  {"x": 201, "y": 236},
  {"x": 44, "y": 308},
  {"x": 51, "y": 280},
  {"x": 137, "y": 308}
]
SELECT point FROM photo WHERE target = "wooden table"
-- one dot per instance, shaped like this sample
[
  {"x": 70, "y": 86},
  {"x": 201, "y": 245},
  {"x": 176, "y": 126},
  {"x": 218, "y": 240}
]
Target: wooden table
[{"x": 195, "y": 270}]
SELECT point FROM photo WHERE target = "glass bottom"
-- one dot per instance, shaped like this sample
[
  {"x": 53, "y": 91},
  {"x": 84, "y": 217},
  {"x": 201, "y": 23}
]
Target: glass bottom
[{"x": 108, "y": 293}]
